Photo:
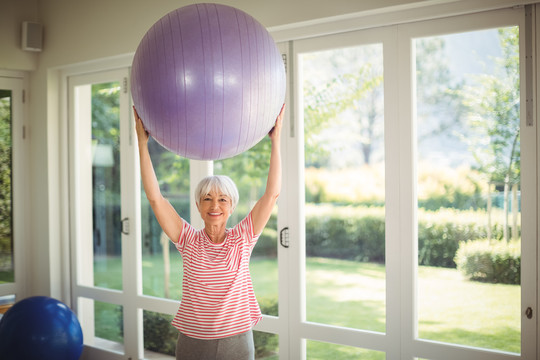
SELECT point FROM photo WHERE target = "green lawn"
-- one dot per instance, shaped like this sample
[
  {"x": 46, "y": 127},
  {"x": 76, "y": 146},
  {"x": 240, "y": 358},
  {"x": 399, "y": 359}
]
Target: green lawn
[{"x": 351, "y": 294}]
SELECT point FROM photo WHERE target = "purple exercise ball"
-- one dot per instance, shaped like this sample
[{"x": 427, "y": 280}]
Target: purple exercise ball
[{"x": 208, "y": 81}]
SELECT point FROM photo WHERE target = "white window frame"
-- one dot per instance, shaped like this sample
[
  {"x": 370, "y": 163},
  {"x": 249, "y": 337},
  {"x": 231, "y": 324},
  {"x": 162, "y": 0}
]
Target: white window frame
[
  {"x": 401, "y": 201},
  {"x": 17, "y": 82},
  {"x": 413, "y": 346},
  {"x": 301, "y": 328}
]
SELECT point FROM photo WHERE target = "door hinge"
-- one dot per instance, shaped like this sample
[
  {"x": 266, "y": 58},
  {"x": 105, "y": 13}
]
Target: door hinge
[
  {"x": 284, "y": 237},
  {"x": 125, "y": 85},
  {"x": 24, "y": 96},
  {"x": 284, "y": 57},
  {"x": 529, "y": 71}
]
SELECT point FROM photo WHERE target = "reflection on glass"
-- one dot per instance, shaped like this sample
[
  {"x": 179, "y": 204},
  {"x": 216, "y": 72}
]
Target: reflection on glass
[
  {"x": 162, "y": 263},
  {"x": 469, "y": 189},
  {"x": 249, "y": 171},
  {"x": 345, "y": 187},
  {"x": 323, "y": 351},
  {"x": 106, "y": 185},
  {"x": 6, "y": 215}
]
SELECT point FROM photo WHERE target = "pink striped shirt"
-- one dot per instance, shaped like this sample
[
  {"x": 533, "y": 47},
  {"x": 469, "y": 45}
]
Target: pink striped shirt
[{"x": 217, "y": 293}]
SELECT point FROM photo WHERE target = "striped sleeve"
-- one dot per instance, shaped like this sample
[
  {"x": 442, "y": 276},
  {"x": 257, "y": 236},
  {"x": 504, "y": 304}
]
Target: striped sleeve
[
  {"x": 187, "y": 234},
  {"x": 244, "y": 230}
]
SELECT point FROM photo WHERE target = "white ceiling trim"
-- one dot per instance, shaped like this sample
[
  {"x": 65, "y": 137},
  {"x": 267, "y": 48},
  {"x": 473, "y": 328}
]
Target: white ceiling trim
[{"x": 393, "y": 15}]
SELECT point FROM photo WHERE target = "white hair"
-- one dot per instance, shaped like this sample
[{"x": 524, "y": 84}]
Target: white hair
[{"x": 221, "y": 183}]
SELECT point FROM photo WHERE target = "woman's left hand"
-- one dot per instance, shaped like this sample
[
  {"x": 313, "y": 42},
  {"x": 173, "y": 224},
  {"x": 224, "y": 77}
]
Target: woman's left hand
[{"x": 276, "y": 130}]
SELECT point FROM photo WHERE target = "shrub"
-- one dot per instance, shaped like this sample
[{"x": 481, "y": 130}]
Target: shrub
[
  {"x": 440, "y": 233},
  {"x": 346, "y": 232},
  {"x": 438, "y": 186},
  {"x": 496, "y": 262},
  {"x": 267, "y": 243},
  {"x": 266, "y": 343},
  {"x": 358, "y": 233},
  {"x": 159, "y": 335}
]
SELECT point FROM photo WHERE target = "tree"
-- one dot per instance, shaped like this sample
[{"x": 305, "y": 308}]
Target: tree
[
  {"x": 6, "y": 240},
  {"x": 493, "y": 105},
  {"x": 351, "y": 86},
  {"x": 493, "y": 101},
  {"x": 440, "y": 109}
]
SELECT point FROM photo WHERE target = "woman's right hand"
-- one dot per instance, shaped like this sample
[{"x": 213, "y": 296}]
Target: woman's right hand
[{"x": 142, "y": 134}]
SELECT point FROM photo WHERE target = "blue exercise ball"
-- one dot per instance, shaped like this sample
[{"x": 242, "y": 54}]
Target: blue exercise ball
[{"x": 42, "y": 328}]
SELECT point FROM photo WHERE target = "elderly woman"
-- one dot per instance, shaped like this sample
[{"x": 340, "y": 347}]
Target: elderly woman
[{"x": 218, "y": 307}]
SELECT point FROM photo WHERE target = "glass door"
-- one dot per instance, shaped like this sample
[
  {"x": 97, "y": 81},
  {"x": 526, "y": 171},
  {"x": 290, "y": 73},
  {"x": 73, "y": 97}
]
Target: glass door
[
  {"x": 12, "y": 189},
  {"x": 346, "y": 85},
  {"x": 469, "y": 188},
  {"x": 474, "y": 198},
  {"x": 101, "y": 164},
  {"x": 417, "y": 198},
  {"x": 127, "y": 275}
]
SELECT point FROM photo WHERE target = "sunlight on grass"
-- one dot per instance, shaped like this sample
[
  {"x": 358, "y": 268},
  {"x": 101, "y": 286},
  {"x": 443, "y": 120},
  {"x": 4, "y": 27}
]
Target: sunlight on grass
[
  {"x": 351, "y": 294},
  {"x": 107, "y": 320},
  {"x": 452, "y": 309},
  {"x": 323, "y": 351},
  {"x": 342, "y": 293},
  {"x": 264, "y": 274}
]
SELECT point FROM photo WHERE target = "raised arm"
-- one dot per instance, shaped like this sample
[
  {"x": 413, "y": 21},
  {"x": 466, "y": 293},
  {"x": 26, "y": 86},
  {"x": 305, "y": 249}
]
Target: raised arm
[
  {"x": 263, "y": 208},
  {"x": 169, "y": 220}
]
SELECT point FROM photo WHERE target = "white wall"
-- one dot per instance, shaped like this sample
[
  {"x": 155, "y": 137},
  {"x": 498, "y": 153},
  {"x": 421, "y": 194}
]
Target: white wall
[
  {"x": 12, "y": 14},
  {"x": 84, "y": 30}
]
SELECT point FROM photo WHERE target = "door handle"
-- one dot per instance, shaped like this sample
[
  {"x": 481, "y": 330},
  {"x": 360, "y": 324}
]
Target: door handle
[
  {"x": 284, "y": 237},
  {"x": 125, "y": 226}
]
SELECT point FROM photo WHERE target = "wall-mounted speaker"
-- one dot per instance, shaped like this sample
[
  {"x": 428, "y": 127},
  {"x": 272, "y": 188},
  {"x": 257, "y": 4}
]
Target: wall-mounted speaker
[{"x": 32, "y": 36}]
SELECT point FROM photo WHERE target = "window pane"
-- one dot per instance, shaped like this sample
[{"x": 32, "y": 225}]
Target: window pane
[
  {"x": 102, "y": 324},
  {"x": 345, "y": 187},
  {"x": 266, "y": 345},
  {"x": 249, "y": 171},
  {"x": 6, "y": 211},
  {"x": 106, "y": 185},
  {"x": 109, "y": 321},
  {"x": 159, "y": 335},
  {"x": 6, "y": 302},
  {"x": 317, "y": 350},
  {"x": 162, "y": 263},
  {"x": 468, "y": 182}
]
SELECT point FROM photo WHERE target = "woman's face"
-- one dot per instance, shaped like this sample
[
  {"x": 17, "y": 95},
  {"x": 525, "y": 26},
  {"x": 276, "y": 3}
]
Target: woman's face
[{"x": 215, "y": 208}]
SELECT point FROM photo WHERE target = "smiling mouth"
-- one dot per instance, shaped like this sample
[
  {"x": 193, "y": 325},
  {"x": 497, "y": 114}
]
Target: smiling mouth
[{"x": 214, "y": 214}]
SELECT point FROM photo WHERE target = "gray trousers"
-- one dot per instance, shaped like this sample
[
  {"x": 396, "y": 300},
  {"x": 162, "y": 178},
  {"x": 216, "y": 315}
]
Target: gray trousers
[{"x": 237, "y": 347}]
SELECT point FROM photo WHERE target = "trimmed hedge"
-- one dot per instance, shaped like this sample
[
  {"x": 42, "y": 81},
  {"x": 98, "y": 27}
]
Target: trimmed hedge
[
  {"x": 358, "y": 233},
  {"x": 159, "y": 335},
  {"x": 353, "y": 233},
  {"x": 496, "y": 262},
  {"x": 266, "y": 343},
  {"x": 440, "y": 233}
]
